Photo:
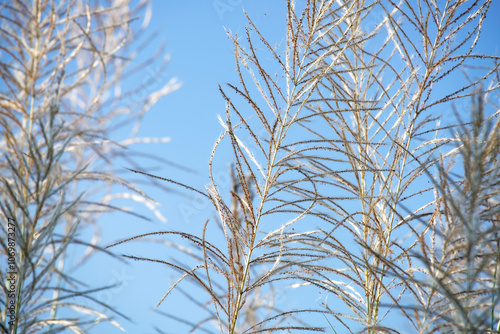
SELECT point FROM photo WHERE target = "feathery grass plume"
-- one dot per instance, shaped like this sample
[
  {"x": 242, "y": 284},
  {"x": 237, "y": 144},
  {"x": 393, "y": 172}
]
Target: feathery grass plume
[
  {"x": 459, "y": 292},
  {"x": 377, "y": 104},
  {"x": 263, "y": 238},
  {"x": 336, "y": 131},
  {"x": 220, "y": 268},
  {"x": 62, "y": 65}
]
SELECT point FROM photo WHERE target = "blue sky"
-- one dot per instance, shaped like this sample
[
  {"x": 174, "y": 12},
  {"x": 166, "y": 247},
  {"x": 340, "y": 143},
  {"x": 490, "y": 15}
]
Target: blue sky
[{"x": 201, "y": 59}]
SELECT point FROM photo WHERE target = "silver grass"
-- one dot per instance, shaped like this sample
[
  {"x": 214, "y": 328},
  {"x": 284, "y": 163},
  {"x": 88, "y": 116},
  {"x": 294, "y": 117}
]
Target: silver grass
[
  {"x": 344, "y": 176},
  {"x": 61, "y": 64}
]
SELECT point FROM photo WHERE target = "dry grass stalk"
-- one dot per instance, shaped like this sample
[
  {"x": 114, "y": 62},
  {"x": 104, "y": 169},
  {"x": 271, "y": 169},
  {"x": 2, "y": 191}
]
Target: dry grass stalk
[{"x": 62, "y": 63}]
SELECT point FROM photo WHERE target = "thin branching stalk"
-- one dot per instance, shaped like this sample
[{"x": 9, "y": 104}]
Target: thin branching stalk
[{"x": 61, "y": 65}]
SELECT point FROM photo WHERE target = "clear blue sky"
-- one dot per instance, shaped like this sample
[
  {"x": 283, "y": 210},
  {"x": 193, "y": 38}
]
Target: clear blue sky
[{"x": 201, "y": 59}]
